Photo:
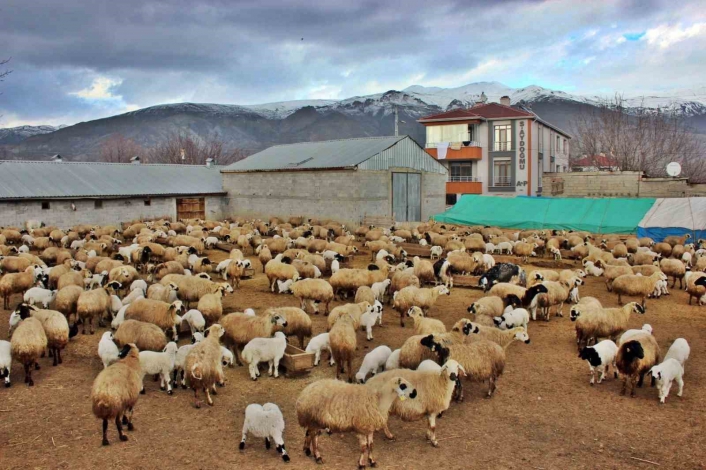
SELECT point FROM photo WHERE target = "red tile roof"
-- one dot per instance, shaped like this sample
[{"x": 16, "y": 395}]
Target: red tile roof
[
  {"x": 487, "y": 111},
  {"x": 596, "y": 160}
]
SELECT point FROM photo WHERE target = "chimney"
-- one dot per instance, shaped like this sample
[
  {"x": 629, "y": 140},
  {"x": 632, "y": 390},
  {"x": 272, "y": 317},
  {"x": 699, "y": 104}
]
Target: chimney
[
  {"x": 57, "y": 158},
  {"x": 210, "y": 162},
  {"x": 135, "y": 160},
  {"x": 482, "y": 99},
  {"x": 505, "y": 100}
]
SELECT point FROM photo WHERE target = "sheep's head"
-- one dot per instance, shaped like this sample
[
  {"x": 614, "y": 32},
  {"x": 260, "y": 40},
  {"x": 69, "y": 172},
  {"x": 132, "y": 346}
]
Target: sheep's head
[
  {"x": 114, "y": 286},
  {"x": 178, "y": 307},
  {"x": 278, "y": 320},
  {"x": 443, "y": 290},
  {"x": 216, "y": 330},
  {"x": 633, "y": 350},
  {"x": 129, "y": 350},
  {"x": 472, "y": 308},
  {"x": 405, "y": 389},
  {"x": 590, "y": 354},
  {"x": 453, "y": 370},
  {"x": 415, "y": 312},
  {"x": 574, "y": 313},
  {"x": 522, "y": 335},
  {"x": 637, "y": 308}
]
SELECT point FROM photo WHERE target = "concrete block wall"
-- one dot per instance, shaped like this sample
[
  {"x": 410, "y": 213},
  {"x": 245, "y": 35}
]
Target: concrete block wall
[
  {"x": 216, "y": 207},
  {"x": 346, "y": 196},
  {"x": 621, "y": 184},
  {"x": 60, "y": 213}
]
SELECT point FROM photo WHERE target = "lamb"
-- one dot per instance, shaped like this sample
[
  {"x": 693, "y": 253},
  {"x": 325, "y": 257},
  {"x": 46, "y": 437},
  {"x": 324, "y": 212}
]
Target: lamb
[
  {"x": 161, "y": 363},
  {"x": 313, "y": 290},
  {"x": 634, "y": 285},
  {"x": 415, "y": 296},
  {"x": 379, "y": 289},
  {"x": 635, "y": 358},
  {"x": 600, "y": 357},
  {"x": 369, "y": 317},
  {"x": 646, "y": 328},
  {"x": 436, "y": 252},
  {"x": 373, "y": 362},
  {"x": 90, "y": 304},
  {"x": 665, "y": 373},
  {"x": 195, "y": 320},
  {"x": 146, "y": 336},
  {"x": 343, "y": 343},
  {"x": 240, "y": 328},
  {"x": 425, "y": 326},
  {"x": 133, "y": 296},
  {"x": 557, "y": 294},
  {"x": 180, "y": 359},
  {"x": 116, "y": 390},
  {"x": 270, "y": 350},
  {"x": 434, "y": 384},
  {"x": 298, "y": 322},
  {"x": 679, "y": 350},
  {"x": 160, "y": 313},
  {"x": 203, "y": 364},
  {"x": 593, "y": 269},
  {"x": 594, "y": 323},
  {"x": 16, "y": 283},
  {"x": 276, "y": 269},
  {"x": 39, "y": 295},
  {"x": 5, "y": 361},
  {"x": 366, "y": 410},
  {"x": 317, "y": 344},
  {"x": 675, "y": 269},
  {"x": 107, "y": 349},
  {"x": 393, "y": 362},
  {"x": 265, "y": 421},
  {"x": 512, "y": 319}
]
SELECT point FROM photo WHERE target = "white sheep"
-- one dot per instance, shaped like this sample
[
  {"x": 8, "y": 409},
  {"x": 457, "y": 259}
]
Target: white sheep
[
  {"x": 379, "y": 289},
  {"x": 5, "y": 361},
  {"x": 591, "y": 269},
  {"x": 227, "y": 357},
  {"x": 39, "y": 295},
  {"x": 317, "y": 344},
  {"x": 487, "y": 261},
  {"x": 600, "y": 357},
  {"x": 429, "y": 366},
  {"x": 119, "y": 317},
  {"x": 423, "y": 242},
  {"x": 504, "y": 248},
  {"x": 646, "y": 328},
  {"x": 513, "y": 318},
  {"x": 679, "y": 350},
  {"x": 133, "y": 296},
  {"x": 139, "y": 284},
  {"x": 393, "y": 362},
  {"x": 270, "y": 350},
  {"x": 373, "y": 362},
  {"x": 283, "y": 287},
  {"x": 161, "y": 363},
  {"x": 196, "y": 321},
  {"x": 107, "y": 349},
  {"x": 265, "y": 421},
  {"x": 489, "y": 248},
  {"x": 222, "y": 268},
  {"x": 665, "y": 373},
  {"x": 115, "y": 305},
  {"x": 369, "y": 318},
  {"x": 436, "y": 251},
  {"x": 210, "y": 242}
]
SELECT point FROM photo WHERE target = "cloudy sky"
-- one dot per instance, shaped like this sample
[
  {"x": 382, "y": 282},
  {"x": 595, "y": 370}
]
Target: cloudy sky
[{"x": 75, "y": 60}]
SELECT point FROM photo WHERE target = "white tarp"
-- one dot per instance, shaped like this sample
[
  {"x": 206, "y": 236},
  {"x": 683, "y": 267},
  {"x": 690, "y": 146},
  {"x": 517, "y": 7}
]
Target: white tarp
[{"x": 675, "y": 216}]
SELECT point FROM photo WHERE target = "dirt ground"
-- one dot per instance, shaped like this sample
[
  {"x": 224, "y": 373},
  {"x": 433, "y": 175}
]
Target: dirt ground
[{"x": 544, "y": 415}]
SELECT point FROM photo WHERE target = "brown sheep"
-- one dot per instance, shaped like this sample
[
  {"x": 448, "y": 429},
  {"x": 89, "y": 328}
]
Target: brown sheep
[
  {"x": 635, "y": 358},
  {"x": 147, "y": 336},
  {"x": 90, "y": 304},
  {"x": 16, "y": 283},
  {"x": 159, "y": 313},
  {"x": 203, "y": 364},
  {"x": 28, "y": 343},
  {"x": 342, "y": 339}
]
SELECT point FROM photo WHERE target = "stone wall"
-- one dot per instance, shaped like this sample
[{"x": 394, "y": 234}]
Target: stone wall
[
  {"x": 347, "y": 195},
  {"x": 617, "y": 184}
]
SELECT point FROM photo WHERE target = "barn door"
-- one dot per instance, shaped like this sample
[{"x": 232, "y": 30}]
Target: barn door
[
  {"x": 407, "y": 197},
  {"x": 193, "y": 208}
]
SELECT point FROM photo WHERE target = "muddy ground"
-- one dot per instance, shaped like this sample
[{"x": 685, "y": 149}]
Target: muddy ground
[{"x": 544, "y": 414}]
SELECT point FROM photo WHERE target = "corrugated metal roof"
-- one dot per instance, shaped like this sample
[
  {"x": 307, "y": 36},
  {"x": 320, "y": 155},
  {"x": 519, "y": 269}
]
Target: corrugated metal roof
[
  {"x": 345, "y": 153},
  {"x": 405, "y": 154},
  {"x": 38, "y": 180}
]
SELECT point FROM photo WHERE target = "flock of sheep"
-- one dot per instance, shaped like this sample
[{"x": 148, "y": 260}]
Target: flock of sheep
[{"x": 148, "y": 278}]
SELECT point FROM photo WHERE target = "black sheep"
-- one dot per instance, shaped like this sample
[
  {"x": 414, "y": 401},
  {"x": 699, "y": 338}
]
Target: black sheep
[{"x": 501, "y": 272}]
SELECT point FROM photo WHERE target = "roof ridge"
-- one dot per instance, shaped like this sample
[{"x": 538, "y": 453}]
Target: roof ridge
[
  {"x": 108, "y": 163},
  {"x": 313, "y": 142}
]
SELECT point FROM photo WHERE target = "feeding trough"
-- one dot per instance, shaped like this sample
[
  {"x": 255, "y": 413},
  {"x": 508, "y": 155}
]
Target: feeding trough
[
  {"x": 414, "y": 249},
  {"x": 296, "y": 361}
]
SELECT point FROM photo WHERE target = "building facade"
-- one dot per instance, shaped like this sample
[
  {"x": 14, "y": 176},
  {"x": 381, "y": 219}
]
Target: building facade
[{"x": 493, "y": 148}]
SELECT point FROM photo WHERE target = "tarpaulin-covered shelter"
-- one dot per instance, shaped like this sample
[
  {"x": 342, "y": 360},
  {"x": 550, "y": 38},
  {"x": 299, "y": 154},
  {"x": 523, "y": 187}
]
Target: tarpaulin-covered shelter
[
  {"x": 599, "y": 215},
  {"x": 674, "y": 216}
]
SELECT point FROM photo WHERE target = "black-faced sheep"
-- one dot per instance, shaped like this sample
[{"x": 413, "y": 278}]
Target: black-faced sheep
[{"x": 635, "y": 358}]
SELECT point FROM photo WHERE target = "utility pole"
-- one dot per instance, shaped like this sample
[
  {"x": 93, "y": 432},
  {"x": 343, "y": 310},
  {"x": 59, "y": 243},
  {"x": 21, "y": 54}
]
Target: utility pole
[{"x": 397, "y": 132}]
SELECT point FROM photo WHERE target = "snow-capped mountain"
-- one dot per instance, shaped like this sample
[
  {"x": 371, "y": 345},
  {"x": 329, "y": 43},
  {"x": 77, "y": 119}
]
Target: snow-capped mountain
[
  {"x": 15, "y": 135},
  {"x": 255, "y": 127}
]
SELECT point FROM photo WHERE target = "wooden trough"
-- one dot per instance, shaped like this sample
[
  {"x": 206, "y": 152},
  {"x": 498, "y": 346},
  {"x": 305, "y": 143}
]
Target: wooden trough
[
  {"x": 414, "y": 249},
  {"x": 296, "y": 361},
  {"x": 466, "y": 281}
]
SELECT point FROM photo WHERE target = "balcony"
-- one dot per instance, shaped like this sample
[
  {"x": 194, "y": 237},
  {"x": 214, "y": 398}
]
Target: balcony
[
  {"x": 464, "y": 185},
  {"x": 471, "y": 152},
  {"x": 502, "y": 181}
]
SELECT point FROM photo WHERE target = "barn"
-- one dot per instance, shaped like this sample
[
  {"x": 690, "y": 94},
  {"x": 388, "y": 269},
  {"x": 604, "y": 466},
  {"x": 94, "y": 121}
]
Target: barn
[
  {"x": 350, "y": 180},
  {"x": 69, "y": 193}
]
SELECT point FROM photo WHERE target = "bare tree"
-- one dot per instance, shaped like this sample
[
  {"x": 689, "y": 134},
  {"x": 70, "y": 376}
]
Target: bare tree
[
  {"x": 183, "y": 148},
  {"x": 640, "y": 139},
  {"x": 6, "y": 72},
  {"x": 119, "y": 149}
]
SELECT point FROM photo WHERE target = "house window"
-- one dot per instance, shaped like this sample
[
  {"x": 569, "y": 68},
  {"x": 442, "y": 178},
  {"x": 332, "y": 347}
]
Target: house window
[
  {"x": 449, "y": 133},
  {"x": 540, "y": 134},
  {"x": 461, "y": 171},
  {"x": 472, "y": 132},
  {"x": 502, "y": 172},
  {"x": 566, "y": 146},
  {"x": 45, "y": 205},
  {"x": 503, "y": 137},
  {"x": 451, "y": 199},
  {"x": 148, "y": 202},
  {"x": 98, "y": 204},
  {"x": 558, "y": 144}
]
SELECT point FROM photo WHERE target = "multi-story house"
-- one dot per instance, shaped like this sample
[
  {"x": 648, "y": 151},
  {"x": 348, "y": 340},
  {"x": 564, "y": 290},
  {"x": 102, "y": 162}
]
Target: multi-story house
[{"x": 495, "y": 149}]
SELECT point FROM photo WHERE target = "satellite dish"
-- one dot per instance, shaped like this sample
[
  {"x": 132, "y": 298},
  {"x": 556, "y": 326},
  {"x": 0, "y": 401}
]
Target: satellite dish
[{"x": 673, "y": 169}]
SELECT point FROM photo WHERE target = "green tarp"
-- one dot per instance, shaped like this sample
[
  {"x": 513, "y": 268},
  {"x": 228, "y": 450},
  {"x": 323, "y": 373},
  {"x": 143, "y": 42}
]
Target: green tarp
[{"x": 605, "y": 215}]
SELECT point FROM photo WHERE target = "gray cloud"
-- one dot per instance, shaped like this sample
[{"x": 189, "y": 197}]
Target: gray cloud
[{"x": 252, "y": 51}]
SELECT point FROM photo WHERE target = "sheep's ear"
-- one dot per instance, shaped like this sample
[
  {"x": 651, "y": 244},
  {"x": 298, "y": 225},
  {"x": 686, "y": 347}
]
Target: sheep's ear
[{"x": 124, "y": 352}]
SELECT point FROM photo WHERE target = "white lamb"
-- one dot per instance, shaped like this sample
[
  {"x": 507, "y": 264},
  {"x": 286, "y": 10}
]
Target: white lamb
[
  {"x": 226, "y": 357},
  {"x": 180, "y": 358},
  {"x": 317, "y": 344},
  {"x": 687, "y": 259},
  {"x": 489, "y": 248},
  {"x": 76, "y": 244},
  {"x": 600, "y": 357},
  {"x": 504, "y": 248},
  {"x": 661, "y": 288},
  {"x": 646, "y": 328},
  {"x": 592, "y": 270},
  {"x": 222, "y": 268},
  {"x": 283, "y": 287},
  {"x": 429, "y": 366},
  {"x": 115, "y": 305},
  {"x": 23, "y": 249},
  {"x": 574, "y": 295},
  {"x": 39, "y": 295},
  {"x": 119, "y": 317},
  {"x": 133, "y": 296},
  {"x": 265, "y": 421},
  {"x": 423, "y": 242},
  {"x": 665, "y": 373},
  {"x": 139, "y": 284},
  {"x": 210, "y": 242},
  {"x": 249, "y": 312},
  {"x": 368, "y": 319},
  {"x": 379, "y": 289},
  {"x": 488, "y": 261},
  {"x": 161, "y": 363},
  {"x": 270, "y": 350},
  {"x": 512, "y": 319},
  {"x": 5, "y": 361},
  {"x": 679, "y": 350},
  {"x": 373, "y": 363},
  {"x": 96, "y": 280},
  {"x": 196, "y": 321},
  {"x": 436, "y": 251},
  {"x": 393, "y": 362},
  {"x": 107, "y": 349}
]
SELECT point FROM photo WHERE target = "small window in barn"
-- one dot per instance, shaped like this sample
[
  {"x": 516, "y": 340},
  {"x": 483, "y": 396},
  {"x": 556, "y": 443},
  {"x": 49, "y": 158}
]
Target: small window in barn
[
  {"x": 45, "y": 205},
  {"x": 98, "y": 204},
  {"x": 148, "y": 202}
]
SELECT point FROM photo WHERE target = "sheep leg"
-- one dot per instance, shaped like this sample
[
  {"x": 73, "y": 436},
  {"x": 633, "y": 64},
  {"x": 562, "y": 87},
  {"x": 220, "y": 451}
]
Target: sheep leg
[
  {"x": 459, "y": 390},
  {"x": 236, "y": 350},
  {"x": 165, "y": 378},
  {"x": 332, "y": 361},
  {"x": 620, "y": 300},
  {"x": 317, "y": 357},
  {"x": 307, "y": 442},
  {"x": 209, "y": 400},
  {"x": 54, "y": 352},
  {"x": 680, "y": 382},
  {"x": 350, "y": 370},
  {"x": 93, "y": 330},
  {"x": 593, "y": 376},
  {"x": 369, "y": 331},
  {"x": 301, "y": 340},
  {"x": 491, "y": 386},
  {"x": 276, "y": 365},
  {"x": 363, "y": 442},
  {"x": 431, "y": 432},
  {"x": 270, "y": 366},
  {"x": 105, "y": 433},
  {"x": 315, "y": 446},
  {"x": 197, "y": 402},
  {"x": 119, "y": 426},
  {"x": 388, "y": 433},
  {"x": 402, "y": 320},
  {"x": 632, "y": 385},
  {"x": 371, "y": 459}
]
